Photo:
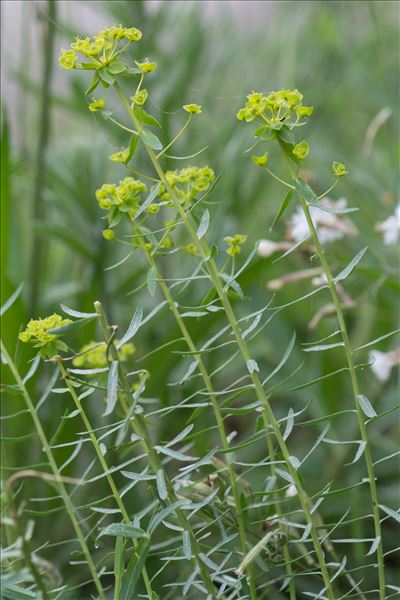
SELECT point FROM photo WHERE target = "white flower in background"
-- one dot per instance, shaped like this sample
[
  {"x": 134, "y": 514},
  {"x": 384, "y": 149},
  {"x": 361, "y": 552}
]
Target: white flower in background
[
  {"x": 291, "y": 491},
  {"x": 267, "y": 248},
  {"x": 390, "y": 228},
  {"x": 383, "y": 363},
  {"x": 330, "y": 227}
]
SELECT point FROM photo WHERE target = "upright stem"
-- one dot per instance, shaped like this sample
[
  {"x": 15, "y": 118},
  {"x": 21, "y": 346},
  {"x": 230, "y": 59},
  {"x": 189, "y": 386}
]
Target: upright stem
[
  {"x": 356, "y": 392},
  {"x": 101, "y": 459},
  {"x": 212, "y": 269},
  {"x": 63, "y": 492},
  {"x": 140, "y": 428},
  {"x": 214, "y": 402},
  {"x": 43, "y": 139}
]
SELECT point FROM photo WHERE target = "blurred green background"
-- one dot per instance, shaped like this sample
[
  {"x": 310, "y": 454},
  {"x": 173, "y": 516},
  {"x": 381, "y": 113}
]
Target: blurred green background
[{"x": 343, "y": 56}]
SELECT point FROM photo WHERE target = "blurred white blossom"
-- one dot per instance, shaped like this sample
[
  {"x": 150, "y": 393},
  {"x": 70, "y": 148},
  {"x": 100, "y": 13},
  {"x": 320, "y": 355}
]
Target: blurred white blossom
[
  {"x": 390, "y": 228},
  {"x": 383, "y": 362},
  {"x": 330, "y": 227}
]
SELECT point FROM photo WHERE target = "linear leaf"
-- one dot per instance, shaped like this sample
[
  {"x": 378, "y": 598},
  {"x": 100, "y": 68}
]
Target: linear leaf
[
  {"x": 204, "y": 224},
  {"x": 283, "y": 359},
  {"x": 77, "y": 314},
  {"x": 351, "y": 266},
  {"x": 374, "y": 546},
  {"x": 71, "y": 326},
  {"x": 395, "y": 515},
  {"x": 151, "y": 281},
  {"x": 8, "y": 303},
  {"x": 133, "y": 326},
  {"x": 161, "y": 486},
  {"x": 366, "y": 406},
  {"x": 252, "y": 366},
  {"x": 123, "y": 530},
  {"x": 153, "y": 193},
  {"x": 282, "y": 209},
  {"x": 322, "y": 347},
  {"x": 112, "y": 387},
  {"x": 134, "y": 569}
]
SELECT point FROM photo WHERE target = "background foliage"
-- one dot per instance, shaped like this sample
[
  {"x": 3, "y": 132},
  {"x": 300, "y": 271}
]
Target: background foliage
[{"x": 342, "y": 55}]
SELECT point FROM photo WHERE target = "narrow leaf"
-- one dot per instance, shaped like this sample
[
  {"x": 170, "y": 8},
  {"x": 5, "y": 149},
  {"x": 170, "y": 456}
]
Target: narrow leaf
[
  {"x": 374, "y": 546},
  {"x": 71, "y": 326},
  {"x": 134, "y": 570},
  {"x": 161, "y": 486},
  {"x": 8, "y": 303},
  {"x": 395, "y": 515},
  {"x": 366, "y": 406},
  {"x": 204, "y": 223},
  {"x": 133, "y": 326},
  {"x": 123, "y": 530},
  {"x": 150, "y": 139},
  {"x": 151, "y": 281},
  {"x": 283, "y": 207},
  {"x": 351, "y": 266},
  {"x": 187, "y": 550},
  {"x": 77, "y": 314},
  {"x": 252, "y": 366},
  {"x": 112, "y": 386}
]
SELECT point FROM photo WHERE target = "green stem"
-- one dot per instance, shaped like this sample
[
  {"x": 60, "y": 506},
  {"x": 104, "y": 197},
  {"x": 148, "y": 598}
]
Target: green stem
[
  {"x": 215, "y": 406},
  {"x": 178, "y": 135},
  {"x": 212, "y": 269},
  {"x": 356, "y": 392},
  {"x": 40, "y": 166},
  {"x": 140, "y": 428},
  {"x": 63, "y": 492},
  {"x": 101, "y": 459}
]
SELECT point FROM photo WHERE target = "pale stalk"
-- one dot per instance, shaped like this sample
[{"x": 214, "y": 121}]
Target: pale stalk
[
  {"x": 214, "y": 402},
  {"x": 63, "y": 492},
  {"x": 101, "y": 459},
  {"x": 212, "y": 269},
  {"x": 139, "y": 426}
]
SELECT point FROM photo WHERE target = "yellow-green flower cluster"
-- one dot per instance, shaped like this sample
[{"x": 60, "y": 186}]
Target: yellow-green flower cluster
[
  {"x": 339, "y": 169},
  {"x": 37, "y": 329},
  {"x": 187, "y": 183},
  {"x": 125, "y": 197},
  {"x": 100, "y": 49},
  {"x": 93, "y": 355},
  {"x": 283, "y": 107},
  {"x": 234, "y": 243}
]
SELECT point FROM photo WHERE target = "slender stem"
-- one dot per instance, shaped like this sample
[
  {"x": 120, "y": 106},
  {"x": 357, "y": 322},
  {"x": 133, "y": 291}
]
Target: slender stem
[
  {"x": 356, "y": 392},
  {"x": 329, "y": 189},
  {"x": 101, "y": 459},
  {"x": 212, "y": 269},
  {"x": 214, "y": 402},
  {"x": 279, "y": 179},
  {"x": 50, "y": 457},
  {"x": 140, "y": 428},
  {"x": 178, "y": 135}
]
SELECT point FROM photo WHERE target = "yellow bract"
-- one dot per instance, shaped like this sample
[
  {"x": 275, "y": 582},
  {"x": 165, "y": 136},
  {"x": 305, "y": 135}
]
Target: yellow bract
[
  {"x": 93, "y": 356},
  {"x": 36, "y": 330},
  {"x": 234, "y": 243},
  {"x": 187, "y": 182},
  {"x": 96, "y": 105},
  {"x": 339, "y": 169},
  {"x": 192, "y": 108},
  {"x": 301, "y": 150},
  {"x": 67, "y": 59}
]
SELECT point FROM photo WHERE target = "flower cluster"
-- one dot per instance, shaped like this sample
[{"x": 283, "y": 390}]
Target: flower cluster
[
  {"x": 234, "y": 243},
  {"x": 106, "y": 44},
  {"x": 37, "y": 332},
  {"x": 122, "y": 198},
  {"x": 94, "y": 355},
  {"x": 187, "y": 183},
  {"x": 275, "y": 110}
]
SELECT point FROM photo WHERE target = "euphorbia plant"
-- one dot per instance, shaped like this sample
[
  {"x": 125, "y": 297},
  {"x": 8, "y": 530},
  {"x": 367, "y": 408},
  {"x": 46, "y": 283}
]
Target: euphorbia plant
[{"x": 231, "y": 538}]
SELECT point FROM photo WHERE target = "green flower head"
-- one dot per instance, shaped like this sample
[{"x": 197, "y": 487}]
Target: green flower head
[
  {"x": 192, "y": 108},
  {"x": 146, "y": 66},
  {"x": 140, "y": 97},
  {"x": 96, "y": 105},
  {"x": 68, "y": 59},
  {"x": 260, "y": 161},
  {"x": 301, "y": 150},
  {"x": 120, "y": 157},
  {"x": 339, "y": 169},
  {"x": 37, "y": 332},
  {"x": 234, "y": 243},
  {"x": 93, "y": 356}
]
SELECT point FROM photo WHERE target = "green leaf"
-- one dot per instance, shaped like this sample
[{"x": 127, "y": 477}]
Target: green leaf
[
  {"x": 252, "y": 366},
  {"x": 8, "y": 303},
  {"x": 133, "y": 327},
  {"x": 76, "y": 313},
  {"x": 161, "y": 486},
  {"x": 351, "y": 266},
  {"x": 123, "y": 530},
  {"x": 117, "y": 67},
  {"x": 390, "y": 512},
  {"x": 187, "y": 549},
  {"x": 88, "y": 66},
  {"x": 93, "y": 84},
  {"x": 71, "y": 326},
  {"x": 153, "y": 193},
  {"x": 112, "y": 388},
  {"x": 132, "y": 147},
  {"x": 150, "y": 139},
  {"x": 132, "y": 71},
  {"x": 106, "y": 76},
  {"x": 366, "y": 406},
  {"x": 134, "y": 570},
  {"x": 282, "y": 209},
  {"x": 204, "y": 224},
  {"x": 304, "y": 190},
  {"x": 151, "y": 281},
  {"x": 145, "y": 118}
]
